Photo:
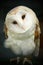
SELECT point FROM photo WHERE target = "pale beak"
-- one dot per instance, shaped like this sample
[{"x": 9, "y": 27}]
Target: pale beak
[{"x": 23, "y": 27}]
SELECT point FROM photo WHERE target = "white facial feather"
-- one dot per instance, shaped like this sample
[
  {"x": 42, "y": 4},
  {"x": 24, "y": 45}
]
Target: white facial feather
[{"x": 21, "y": 25}]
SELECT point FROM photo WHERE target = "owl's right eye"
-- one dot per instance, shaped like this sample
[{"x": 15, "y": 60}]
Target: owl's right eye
[{"x": 14, "y": 22}]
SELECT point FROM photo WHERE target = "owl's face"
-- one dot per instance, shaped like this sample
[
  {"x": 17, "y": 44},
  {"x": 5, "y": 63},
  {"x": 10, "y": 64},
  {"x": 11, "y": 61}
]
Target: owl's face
[
  {"x": 18, "y": 22},
  {"x": 20, "y": 19}
]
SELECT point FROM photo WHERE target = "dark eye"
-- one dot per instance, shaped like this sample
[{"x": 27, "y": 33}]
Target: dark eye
[
  {"x": 23, "y": 16},
  {"x": 14, "y": 22}
]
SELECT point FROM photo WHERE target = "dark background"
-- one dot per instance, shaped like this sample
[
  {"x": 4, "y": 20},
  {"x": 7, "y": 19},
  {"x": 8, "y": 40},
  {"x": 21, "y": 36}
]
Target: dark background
[{"x": 5, "y": 6}]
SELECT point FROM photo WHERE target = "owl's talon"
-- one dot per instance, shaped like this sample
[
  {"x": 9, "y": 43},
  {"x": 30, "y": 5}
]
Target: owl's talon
[{"x": 28, "y": 61}]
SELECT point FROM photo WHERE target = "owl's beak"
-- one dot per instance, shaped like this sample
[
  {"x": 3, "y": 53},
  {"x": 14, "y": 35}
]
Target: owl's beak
[{"x": 23, "y": 27}]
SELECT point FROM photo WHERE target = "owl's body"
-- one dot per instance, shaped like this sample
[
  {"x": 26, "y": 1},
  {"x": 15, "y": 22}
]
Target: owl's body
[
  {"x": 23, "y": 31},
  {"x": 22, "y": 46}
]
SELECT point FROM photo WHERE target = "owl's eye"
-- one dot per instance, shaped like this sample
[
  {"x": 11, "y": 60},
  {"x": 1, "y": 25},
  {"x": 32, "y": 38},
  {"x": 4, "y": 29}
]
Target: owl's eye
[
  {"x": 14, "y": 22},
  {"x": 23, "y": 16}
]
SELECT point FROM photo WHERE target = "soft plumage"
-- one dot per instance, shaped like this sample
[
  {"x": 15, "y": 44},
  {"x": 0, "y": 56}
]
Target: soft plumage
[{"x": 23, "y": 31}]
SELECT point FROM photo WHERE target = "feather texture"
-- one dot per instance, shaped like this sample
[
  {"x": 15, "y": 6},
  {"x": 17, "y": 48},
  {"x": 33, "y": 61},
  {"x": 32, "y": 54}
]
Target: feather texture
[{"x": 21, "y": 35}]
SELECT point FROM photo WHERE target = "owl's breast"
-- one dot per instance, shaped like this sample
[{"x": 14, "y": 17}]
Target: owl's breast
[{"x": 27, "y": 46}]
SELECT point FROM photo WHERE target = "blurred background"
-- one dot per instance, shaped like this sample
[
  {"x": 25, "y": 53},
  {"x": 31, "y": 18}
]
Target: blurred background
[{"x": 5, "y": 6}]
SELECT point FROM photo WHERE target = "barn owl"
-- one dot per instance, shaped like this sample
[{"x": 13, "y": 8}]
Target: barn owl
[{"x": 22, "y": 31}]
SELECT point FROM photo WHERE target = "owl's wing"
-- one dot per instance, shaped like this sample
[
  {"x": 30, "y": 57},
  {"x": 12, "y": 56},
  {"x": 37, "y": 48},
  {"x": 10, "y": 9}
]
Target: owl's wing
[
  {"x": 37, "y": 39},
  {"x": 5, "y": 31}
]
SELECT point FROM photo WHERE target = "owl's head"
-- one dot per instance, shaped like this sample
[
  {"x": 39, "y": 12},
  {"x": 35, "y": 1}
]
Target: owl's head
[{"x": 19, "y": 20}]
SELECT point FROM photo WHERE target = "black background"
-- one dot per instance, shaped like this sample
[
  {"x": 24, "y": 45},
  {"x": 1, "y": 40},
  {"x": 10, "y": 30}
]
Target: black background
[{"x": 5, "y": 6}]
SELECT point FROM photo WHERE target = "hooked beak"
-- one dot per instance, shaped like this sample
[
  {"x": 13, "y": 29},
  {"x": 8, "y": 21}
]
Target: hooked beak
[{"x": 23, "y": 27}]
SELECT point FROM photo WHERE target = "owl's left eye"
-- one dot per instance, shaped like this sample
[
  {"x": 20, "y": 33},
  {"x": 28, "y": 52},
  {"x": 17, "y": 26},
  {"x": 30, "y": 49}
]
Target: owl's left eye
[
  {"x": 14, "y": 22},
  {"x": 23, "y": 16}
]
